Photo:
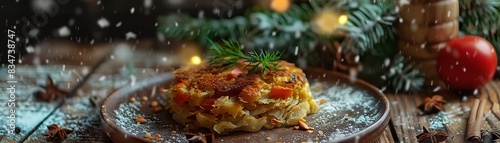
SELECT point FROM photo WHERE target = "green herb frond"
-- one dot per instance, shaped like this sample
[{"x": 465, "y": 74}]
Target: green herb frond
[
  {"x": 228, "y": 53},
  {"x": 264, "y": 60}
]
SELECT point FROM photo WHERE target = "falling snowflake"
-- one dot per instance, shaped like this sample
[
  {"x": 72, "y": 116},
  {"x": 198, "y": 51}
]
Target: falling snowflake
[
  {"x": 148, "y": 3},
  {"x": 30, "y": 49},
  {"x": 132, "y": 10},
  {"x": 175, "y": 2},
  {"x": 33, "y": 32},
  {"x": 43, "y": 5},
  {"x": 160, "y": 36},
  {"x": 103, "y": 22},
  {"x": 404, "y": 2},
  {"x": 64, "y": 31},
  {"x": 118, "y": 24},
  {"x": 130, "y": 35}
]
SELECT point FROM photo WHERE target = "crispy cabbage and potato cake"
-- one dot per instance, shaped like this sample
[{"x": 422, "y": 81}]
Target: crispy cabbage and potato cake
[{"x": 225, "y": 99}]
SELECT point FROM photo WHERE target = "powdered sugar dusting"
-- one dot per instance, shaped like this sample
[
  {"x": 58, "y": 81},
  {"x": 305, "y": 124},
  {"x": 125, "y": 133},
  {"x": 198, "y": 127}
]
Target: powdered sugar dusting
[
  {"x": 349, "y": 109},
  {"x": 126, "y": 113}
]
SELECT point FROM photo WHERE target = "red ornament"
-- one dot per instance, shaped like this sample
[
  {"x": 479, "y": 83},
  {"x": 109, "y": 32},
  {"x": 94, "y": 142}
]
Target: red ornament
[{"x": 467, "y": 63}]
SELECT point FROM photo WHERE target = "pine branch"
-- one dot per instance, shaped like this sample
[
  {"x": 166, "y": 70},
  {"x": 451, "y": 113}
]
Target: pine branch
[
  {"x": 403, "y": 76},
  {"x": 479, "y": 17},
  {"x": 370, "y": 24}
]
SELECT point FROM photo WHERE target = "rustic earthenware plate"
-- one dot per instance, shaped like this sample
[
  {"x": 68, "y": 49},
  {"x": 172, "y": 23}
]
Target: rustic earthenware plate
[{"x": 355, "y": 111}]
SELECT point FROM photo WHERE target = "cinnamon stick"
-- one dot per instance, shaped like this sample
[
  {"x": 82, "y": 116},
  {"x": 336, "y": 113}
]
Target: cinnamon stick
[
  {"x": 474, "y": 122},
  {"x": 495, "y": 108}
]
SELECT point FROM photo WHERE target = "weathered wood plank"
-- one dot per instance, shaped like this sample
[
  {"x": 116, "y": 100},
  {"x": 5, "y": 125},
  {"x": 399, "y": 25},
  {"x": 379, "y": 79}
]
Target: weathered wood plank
[
  {"x": 79, "y": 114},
  {"x": 28, "y": 112},
  {"x": 386, "y": 137},
  {"x": 408, "y": 121}
]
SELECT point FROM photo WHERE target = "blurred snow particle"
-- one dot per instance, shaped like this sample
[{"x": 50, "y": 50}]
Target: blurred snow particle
[
  {"x": 302, "y": 63},
  {"x": 436, "y": 89},
  {"x": 33, "y": 32},
  {"x": 130, "y": 35},
  {"x": 78, "y": 11},
  {"x": 175, "y": 2},
  {"x": 64, "y": 31},
  {"x": 123, "y": 52},
  {"x": 148, "y": 3},
  {"x": 43, "y": 5},
  {"x": 30, "y": 49},
  {"x": 160, "y": 36},
  {"x": 118, "y": 24},
  {"x": 103, "y": 22},
  {"x": 387, "y": 61},
  {"x": 71, "y": 22},
  {"x": 132, "y": 10},
  {"x": 132, "y": 80},
  {"x": 404, "y": 2},
  {"x": 201, "y": 14}
]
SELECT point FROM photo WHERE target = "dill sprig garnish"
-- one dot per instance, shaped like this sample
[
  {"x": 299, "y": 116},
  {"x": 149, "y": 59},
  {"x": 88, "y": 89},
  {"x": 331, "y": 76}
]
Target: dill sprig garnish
[{"x": 228, "y": 53}]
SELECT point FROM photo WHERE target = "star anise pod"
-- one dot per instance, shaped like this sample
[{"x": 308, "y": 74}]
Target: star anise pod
[
  {"x": 50, "y": 92},
  {"x": 432, "y": 105},
  {"x": 61, "y": 133},
  {"x": 430, "y": 137},
  {"x": 200, "y": 138}
]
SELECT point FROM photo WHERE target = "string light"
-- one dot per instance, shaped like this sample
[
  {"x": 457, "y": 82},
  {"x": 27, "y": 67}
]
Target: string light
[
  {"x": 343, "y": 19},
  {"x": 189, "y": 54},
  {"x": 196, "y": 60},
  {"x": 327, "y": 21}
]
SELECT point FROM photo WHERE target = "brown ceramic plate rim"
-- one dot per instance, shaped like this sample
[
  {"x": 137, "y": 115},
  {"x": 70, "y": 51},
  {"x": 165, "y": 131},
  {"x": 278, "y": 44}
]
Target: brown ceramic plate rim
[
  {"x": 112, "y": 130},
  {"x": 377, "y": 128},
  {"x": 372, "y": 131}
]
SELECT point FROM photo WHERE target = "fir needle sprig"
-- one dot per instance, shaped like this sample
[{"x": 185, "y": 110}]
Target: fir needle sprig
[{"x": 228, "y": 53}]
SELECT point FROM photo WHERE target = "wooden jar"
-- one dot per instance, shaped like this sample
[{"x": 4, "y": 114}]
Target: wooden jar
[{"x": 424, "y": 27}]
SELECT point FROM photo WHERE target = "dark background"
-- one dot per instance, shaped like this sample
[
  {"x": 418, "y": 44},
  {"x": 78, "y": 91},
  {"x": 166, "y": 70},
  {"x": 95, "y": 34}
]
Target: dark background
[{"x": 81, "y": 16}]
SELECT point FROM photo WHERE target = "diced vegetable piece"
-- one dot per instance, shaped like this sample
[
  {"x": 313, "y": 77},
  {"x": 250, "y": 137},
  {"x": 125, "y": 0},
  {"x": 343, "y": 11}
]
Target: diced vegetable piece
[
  {"x": 207, "y": 105},
  {"x": 234, "y": 73},
  {"x": 181, "y": 98},
  {"x": 280, "y": 92}
]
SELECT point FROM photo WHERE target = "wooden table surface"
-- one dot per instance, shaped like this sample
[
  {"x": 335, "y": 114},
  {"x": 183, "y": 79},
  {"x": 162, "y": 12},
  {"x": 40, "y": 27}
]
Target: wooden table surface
[{"x": 79, "y": 114}]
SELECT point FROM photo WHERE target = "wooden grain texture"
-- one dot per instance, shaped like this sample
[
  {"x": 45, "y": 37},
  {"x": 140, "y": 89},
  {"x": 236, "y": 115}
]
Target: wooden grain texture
[
  {"x": 28, "y": 111},
  {"x": 386, "y": 137},
  {"x": 408, "y": 120},
  {"x": 80, "y": 115}
]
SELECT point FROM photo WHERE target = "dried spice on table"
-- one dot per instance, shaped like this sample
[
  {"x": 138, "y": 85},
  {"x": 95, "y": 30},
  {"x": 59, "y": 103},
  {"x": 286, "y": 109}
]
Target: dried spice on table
[
  {"x": 94, "y": 101},
  {"x": 200, "y": 138},
  {"x": 495, "y": 132},
  {"x": 475, "y": 121},
  {"x": 432, "y": 105},
  {"x": 54, "y": 131},
  {"x": 430, "y": 137},
  {"x": 50, "y": 92}
]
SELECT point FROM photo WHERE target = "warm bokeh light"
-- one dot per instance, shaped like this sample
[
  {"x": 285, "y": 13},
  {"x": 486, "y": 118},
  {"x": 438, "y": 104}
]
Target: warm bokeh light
[
  {"x": 280, "y": 5},
  {"x": 196, "y": 60},
  {"x": 187, "y": 53},
  {"x": 343, "y": 19},
  {"x": 325, "y": 22}
]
